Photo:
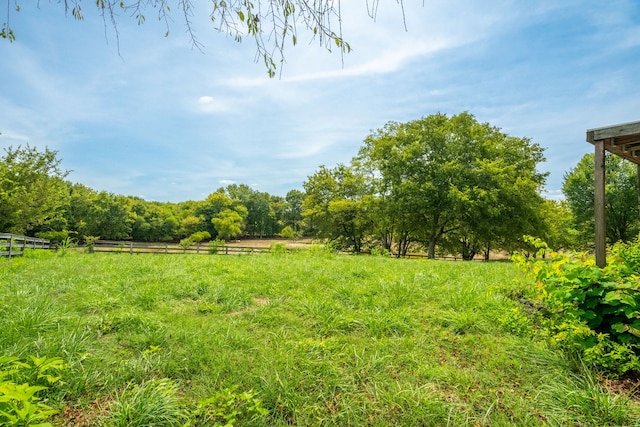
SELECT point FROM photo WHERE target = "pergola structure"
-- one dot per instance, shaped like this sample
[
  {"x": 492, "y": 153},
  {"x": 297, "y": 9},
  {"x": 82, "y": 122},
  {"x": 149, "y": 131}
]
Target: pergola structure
[{"x": 622, "y": 140}]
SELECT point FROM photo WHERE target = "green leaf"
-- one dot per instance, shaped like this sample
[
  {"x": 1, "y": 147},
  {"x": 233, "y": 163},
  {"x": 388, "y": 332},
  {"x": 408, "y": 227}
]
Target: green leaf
[
  {"x": 616, "y": 297},
  {"x": 619, "y": 327},
  {"x": 241, "y": 15}
]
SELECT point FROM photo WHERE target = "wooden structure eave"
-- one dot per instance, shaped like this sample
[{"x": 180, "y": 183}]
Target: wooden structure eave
[{"x": 622, "y": 140}]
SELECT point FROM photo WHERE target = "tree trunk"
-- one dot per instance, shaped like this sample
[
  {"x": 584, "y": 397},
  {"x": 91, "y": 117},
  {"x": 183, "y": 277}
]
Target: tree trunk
[
  {"x": 487, "y": 251},
  {"x": 431, "y": 254}
]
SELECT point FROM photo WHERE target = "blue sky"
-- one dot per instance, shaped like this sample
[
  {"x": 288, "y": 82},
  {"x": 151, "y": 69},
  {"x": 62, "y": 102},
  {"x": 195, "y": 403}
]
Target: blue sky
[{"x": 154, "y": 118}]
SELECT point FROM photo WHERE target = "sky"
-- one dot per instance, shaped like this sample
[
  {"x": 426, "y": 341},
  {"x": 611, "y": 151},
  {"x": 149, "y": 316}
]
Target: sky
[{"x": 146, "y": 115}]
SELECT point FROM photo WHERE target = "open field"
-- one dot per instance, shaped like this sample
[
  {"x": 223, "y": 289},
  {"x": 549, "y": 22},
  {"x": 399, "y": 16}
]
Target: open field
[{"x": 319, "y": 339}]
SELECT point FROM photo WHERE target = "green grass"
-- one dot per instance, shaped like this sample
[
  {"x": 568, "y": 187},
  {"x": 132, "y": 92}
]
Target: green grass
[{"x": 313, "y": 338}]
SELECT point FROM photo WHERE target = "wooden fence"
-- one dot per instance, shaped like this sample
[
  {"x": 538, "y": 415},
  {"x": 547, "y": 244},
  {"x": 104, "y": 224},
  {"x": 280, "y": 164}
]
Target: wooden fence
[
  {"x": 13, "y": 244},
  {"x": 132, "y": 247}
]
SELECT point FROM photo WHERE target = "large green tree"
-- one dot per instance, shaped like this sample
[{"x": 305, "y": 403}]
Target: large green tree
[
  {"x": 228, "y": 224},
  {"x": 457, "y": 178},
  {"x": 152, "y": 221},
  {"x": 109, "y": 218},
  {"x": 292, "y": 215},
  {"x": 32, "y": 189},
  {"x": 261, "y": 217},
  {"x": 621, "y": 190},
  {"x": 336, "y": 205}
]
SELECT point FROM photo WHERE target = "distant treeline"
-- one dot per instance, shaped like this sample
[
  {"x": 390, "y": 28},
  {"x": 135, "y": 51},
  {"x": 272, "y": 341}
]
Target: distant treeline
[{"x": 444, "y": 185}]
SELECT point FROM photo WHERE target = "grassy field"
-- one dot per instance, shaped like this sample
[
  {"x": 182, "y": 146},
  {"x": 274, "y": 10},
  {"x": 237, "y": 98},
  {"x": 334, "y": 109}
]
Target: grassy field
[{"x": 291, "y": 339}]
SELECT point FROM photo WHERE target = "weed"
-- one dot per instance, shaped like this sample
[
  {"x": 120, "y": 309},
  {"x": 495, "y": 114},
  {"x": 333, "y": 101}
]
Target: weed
[
  {"x": 153, "y": 403},
  {"x": 228, "y": 406}
]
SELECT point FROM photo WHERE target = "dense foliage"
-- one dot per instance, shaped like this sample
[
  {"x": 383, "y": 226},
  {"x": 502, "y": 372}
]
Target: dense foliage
[
  {"x": 32, "y": 189},
  {"x": 35, "y": 199},
  {"x": 621, "y": 188},
  {"x": 591, "y": 310},
  {"x": 441, "y": 182}
]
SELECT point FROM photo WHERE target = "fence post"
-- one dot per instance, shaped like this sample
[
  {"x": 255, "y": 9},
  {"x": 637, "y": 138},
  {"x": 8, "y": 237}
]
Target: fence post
[
  {"x": 131, "y": 247},
  {"x": 10, "y": 244},
  {"x": 166, "y": 248}
]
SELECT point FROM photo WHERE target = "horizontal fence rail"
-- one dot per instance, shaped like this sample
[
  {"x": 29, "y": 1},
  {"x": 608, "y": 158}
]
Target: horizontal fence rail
[
  {"x": 14, "y": 244},
  {"x": 204, "y": 248},
  {"x": 132, "y": 247}
]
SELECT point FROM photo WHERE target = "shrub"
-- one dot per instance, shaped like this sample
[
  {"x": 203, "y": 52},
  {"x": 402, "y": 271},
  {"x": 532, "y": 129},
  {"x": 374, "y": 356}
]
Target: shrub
[
  {"x": 380, "y": 252},
  {"x": 593, "y": 310},
  {"x": 186, "y": 243},
  {"x": 90, "y": 241},
  {"x": 278, "y": 248},
  {"x": 20, "y": 384},
  {"x": 288, "y": 233},
  {"x": 215, "y": 245}
]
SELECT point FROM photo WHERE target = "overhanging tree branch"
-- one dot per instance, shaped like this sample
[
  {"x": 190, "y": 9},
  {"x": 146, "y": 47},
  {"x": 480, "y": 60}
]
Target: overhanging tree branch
[{"x": 271, "y": 23}]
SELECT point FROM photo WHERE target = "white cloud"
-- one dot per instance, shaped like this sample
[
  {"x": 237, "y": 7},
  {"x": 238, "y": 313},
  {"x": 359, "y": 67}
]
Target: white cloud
[{"x": 211, "y": 105}]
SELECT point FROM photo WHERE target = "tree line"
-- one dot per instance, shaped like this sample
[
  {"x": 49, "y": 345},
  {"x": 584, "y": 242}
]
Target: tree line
[{"x": 439, "y": 184}]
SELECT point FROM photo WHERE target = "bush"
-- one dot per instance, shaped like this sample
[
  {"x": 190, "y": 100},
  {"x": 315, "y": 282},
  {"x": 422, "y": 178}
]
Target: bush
[
  {"x": 593, "y": 310},
  {"x": 90, "y": 241},
  {"x": 278, "y": 248},
  {"x": 380, "y": 252},
  {"x": 288, "y": 233},
  {"x": 215, "y": 245},
  {"x": 20, "y": 384},
  {"x": 186, "y": 243}
]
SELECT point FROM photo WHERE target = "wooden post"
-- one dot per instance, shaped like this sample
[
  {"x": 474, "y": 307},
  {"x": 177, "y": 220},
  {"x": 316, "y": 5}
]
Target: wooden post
[
  {"x": 599, "y": 205},
  {"x": 638, "y": 166}
]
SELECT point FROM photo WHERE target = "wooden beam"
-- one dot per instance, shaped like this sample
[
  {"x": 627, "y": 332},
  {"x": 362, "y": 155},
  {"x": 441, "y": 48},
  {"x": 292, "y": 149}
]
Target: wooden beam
[
  {"x": 623, "y": 129},
  {"x": 599, "y": 205}
]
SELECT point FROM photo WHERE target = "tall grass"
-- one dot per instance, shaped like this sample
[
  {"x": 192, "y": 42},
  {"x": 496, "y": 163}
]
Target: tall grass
[{"x": 314, "y": 338}]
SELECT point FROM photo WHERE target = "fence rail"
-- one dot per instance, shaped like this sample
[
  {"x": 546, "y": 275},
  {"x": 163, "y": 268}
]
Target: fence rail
[
  {"x": 14, "y": 244},
  {"x": 132, "y": 247}
]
